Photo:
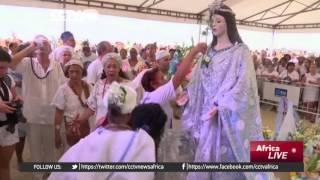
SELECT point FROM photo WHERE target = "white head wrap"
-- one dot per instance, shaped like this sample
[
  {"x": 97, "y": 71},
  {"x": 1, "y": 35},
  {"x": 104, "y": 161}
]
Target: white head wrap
[
  {"x": 161, "y": 54},
  {"x": 58, "y": 52},
  {"x": 122, "y": 96},
  {"x": 74, "y": 62},
  {"x": 110, "y": 56}
]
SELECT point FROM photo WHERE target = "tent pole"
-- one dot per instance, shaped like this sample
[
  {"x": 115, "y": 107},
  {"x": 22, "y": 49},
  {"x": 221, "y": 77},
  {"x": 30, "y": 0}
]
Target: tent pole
[
  {"x": 199, "y": 38},
  {"x": 273, "y": 39},
  {"x": 64, "y": 16}
]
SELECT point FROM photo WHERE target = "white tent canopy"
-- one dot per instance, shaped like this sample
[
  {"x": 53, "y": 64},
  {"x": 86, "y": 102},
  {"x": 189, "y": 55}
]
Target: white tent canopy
[{"x": 267, "y": 14}]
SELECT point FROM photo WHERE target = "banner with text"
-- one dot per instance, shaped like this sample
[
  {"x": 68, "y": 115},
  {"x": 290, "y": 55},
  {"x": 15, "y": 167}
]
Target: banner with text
[{"x": 161, "y": 167}]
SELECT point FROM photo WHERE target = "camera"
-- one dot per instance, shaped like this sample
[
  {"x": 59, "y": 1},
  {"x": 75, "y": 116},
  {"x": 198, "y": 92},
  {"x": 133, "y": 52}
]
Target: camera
[
  {"x": 23, "y": 46},
  {"x": 16, "y": 104},
  {"x": 39, "y": 44},
  {"x": 13, "y": 118}
]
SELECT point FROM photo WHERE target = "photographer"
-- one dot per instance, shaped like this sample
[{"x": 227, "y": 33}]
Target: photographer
[
  {"x": 22, "y": 125},
  {"x": 8, "y": 116}
]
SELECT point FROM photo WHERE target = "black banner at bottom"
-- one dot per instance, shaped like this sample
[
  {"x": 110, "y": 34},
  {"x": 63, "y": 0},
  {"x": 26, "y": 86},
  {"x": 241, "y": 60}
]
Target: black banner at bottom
[{"x": 162, "y": 167}]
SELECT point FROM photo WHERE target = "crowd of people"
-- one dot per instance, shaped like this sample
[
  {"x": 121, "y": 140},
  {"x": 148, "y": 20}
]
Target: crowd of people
[
  {"x": 117, "y": 105},
  {"x": 63, "y": 93},
  {"x": 295, "y": 70}
]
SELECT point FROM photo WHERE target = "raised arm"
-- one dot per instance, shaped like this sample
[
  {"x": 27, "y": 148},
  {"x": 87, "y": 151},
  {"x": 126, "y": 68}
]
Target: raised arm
[
  {"x": 17, "y": 58},
  {"x": 186, "y": 64}
]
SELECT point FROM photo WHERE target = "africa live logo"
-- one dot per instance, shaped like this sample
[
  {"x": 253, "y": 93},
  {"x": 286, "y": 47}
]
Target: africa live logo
[{"x": 276, "y": 151}]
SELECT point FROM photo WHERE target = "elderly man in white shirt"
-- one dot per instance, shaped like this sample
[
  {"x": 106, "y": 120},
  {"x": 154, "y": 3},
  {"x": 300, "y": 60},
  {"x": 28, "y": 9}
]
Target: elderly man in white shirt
[
  {"x": 41, "y": 79},
  {"x": 95, "y": 69}
]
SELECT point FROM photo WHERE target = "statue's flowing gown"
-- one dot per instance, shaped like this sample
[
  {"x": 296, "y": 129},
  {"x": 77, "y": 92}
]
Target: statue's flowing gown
[{"x": 229, "y": 82}]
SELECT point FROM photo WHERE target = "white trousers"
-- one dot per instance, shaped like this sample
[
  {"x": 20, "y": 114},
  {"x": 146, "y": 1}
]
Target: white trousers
[{"x": 41, "y": 143}]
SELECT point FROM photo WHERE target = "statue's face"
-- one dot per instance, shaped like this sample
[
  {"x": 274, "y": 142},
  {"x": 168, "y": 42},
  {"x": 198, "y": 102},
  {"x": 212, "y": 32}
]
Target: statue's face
[{"x": 219, "y": 26}]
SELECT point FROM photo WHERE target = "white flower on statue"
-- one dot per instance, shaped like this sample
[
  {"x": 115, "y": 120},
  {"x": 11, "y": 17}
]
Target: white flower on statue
[{"x": 205, "y": 60}]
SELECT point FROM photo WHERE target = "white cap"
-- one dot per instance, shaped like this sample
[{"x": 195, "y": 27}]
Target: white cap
[
  {"x": 161, "y": 54},
  {"x": 122, "y": 96},
  {"x": 74, "y": 62}
]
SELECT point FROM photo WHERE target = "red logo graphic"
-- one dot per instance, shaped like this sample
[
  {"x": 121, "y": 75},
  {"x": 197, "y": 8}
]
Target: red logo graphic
[{"x": 276, "y": 151}]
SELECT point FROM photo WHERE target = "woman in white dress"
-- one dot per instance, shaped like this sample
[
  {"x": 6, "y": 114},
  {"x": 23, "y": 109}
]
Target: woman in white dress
[
  {"x": 117, "y": 142},
  {"x": 111, "y": 73},
  {"x": 69, "y": 101},
  {"x": 311, "y": 91}
]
